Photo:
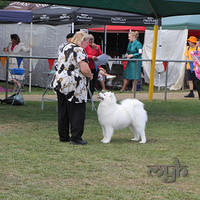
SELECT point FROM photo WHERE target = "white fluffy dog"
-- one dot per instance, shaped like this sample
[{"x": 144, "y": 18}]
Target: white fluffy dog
[{"x": 129, "y": 113}]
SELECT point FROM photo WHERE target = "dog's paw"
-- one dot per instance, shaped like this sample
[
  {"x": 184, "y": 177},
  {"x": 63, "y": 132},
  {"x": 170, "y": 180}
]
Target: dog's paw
[
  {"x": 105, "y": 141},
  {"x": 142, "y": 142},
  {"x": 135, "y": 139}
]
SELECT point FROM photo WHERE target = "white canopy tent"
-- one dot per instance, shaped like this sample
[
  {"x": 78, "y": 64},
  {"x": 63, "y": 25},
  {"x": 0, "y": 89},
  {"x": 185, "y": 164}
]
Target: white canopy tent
[
  {"x": 171, "y": 45},
  {"x": 45, "y": 42}
]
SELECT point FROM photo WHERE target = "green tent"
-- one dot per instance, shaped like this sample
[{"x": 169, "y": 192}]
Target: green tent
[
  {"x": 154, "y": 8},
  {"x": 181, "y": 22}
]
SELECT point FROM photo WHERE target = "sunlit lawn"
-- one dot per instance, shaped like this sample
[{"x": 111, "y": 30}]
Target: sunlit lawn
[{"x": 34, "y": 165}]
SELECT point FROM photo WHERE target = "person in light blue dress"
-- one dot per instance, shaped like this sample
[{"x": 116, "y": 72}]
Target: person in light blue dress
[{"x": 134, "y": 50}]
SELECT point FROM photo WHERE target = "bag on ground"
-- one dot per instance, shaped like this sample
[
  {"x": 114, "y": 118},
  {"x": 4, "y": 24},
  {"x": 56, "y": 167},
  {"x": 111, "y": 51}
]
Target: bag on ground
[{"x": 15, "y": 99}]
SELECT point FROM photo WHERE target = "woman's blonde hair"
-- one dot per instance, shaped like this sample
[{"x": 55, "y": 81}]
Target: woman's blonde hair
[
  {"x": 91, "y": 36},
  {"x": 134, "y": 33},
  {"x": 79, "y": 37}
]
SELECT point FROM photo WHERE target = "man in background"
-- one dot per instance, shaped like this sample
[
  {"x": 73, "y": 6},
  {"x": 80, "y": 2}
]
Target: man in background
[{"x": 68, "y": 40}]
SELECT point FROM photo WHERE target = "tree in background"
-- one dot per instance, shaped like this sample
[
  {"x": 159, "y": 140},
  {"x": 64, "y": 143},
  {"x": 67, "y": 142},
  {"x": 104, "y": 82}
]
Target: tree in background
[{"x": 3, "y": 4}]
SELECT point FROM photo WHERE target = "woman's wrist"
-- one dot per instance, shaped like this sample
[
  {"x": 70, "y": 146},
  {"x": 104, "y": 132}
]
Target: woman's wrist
[{"x": 90, "y": 76}]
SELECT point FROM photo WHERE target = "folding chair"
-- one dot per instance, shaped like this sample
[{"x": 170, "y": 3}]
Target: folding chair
[{"x": 48, "y": 87}]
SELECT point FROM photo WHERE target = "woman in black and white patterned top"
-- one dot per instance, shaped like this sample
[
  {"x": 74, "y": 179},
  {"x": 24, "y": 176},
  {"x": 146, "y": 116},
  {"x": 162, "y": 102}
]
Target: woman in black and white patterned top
[{"x": 70, "y": 83}]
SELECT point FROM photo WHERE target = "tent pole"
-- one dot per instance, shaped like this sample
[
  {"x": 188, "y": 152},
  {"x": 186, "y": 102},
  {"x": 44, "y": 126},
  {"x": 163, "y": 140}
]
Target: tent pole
[
  {"x": 72, "y": 31},
  {"x": 30, "y": 61},
  {"x": 105, "y": 39},
  {"x": 7, "y": 67},
  {"x": 151, "y": 82}
]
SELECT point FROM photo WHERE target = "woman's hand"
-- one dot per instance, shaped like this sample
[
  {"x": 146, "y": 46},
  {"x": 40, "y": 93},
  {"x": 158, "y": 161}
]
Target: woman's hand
[
  {"x": 126, "y": 55},
  {"x": 95, "y": 46},
  {"x": 91, "y": 76},
  {"x": 94, "y": 58},
  {"x": 129, "y": 56}
]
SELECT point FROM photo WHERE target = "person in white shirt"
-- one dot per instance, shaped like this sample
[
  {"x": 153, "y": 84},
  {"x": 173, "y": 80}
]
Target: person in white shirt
[
  {"x": 70, "y": 84},
  {"x": 15, "y": 47}
]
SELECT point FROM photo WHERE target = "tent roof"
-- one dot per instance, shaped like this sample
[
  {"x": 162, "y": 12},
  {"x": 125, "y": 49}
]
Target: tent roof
[
  {"x": 181, "y": 22},
  {"x": 61, "y": 14},
  {"x": 15, "y": 16},
  {"x": 24, "y": 6},
  {"x": 154, "y": 8},
  {"x": 80, "y": 16},
  {"x": 118, "y": 29}
]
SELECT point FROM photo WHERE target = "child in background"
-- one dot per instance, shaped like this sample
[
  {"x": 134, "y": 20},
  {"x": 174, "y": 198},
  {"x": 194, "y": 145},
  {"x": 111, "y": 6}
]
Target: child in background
[
  {"x": 102, "y": 75},
  {"x": 196, "y": 58}
]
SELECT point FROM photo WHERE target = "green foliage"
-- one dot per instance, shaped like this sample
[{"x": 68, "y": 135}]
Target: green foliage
[
  {"x": 35, "y": 165},
  {"x": 3, "y": 4}
]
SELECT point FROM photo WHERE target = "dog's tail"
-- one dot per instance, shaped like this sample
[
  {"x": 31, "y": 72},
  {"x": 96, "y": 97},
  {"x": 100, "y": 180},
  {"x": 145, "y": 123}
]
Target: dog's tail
[{"x": 135, "y": 109}]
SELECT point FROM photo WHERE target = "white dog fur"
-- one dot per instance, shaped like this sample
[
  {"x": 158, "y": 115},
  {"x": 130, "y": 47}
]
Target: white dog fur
[{"x": 113, "y": 116}]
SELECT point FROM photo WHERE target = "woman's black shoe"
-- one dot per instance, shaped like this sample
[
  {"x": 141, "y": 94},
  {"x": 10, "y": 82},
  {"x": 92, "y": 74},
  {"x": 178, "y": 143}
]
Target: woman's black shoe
[
  {"x": 190, "y": 95},
  {"x": 65, "y": 140}
]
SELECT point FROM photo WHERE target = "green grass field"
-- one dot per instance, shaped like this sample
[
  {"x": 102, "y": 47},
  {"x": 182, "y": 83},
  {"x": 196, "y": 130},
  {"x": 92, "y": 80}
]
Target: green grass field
[{"x": 34, "y": 165}]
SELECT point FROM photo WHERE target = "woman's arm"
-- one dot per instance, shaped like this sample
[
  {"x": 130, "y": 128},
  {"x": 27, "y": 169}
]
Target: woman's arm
[
  {"x": 99, "y": 50},
  {"x": 138, "y": 52},
  {"x": 21, "y": 47},
  {"x": 86, "y": 70}
]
